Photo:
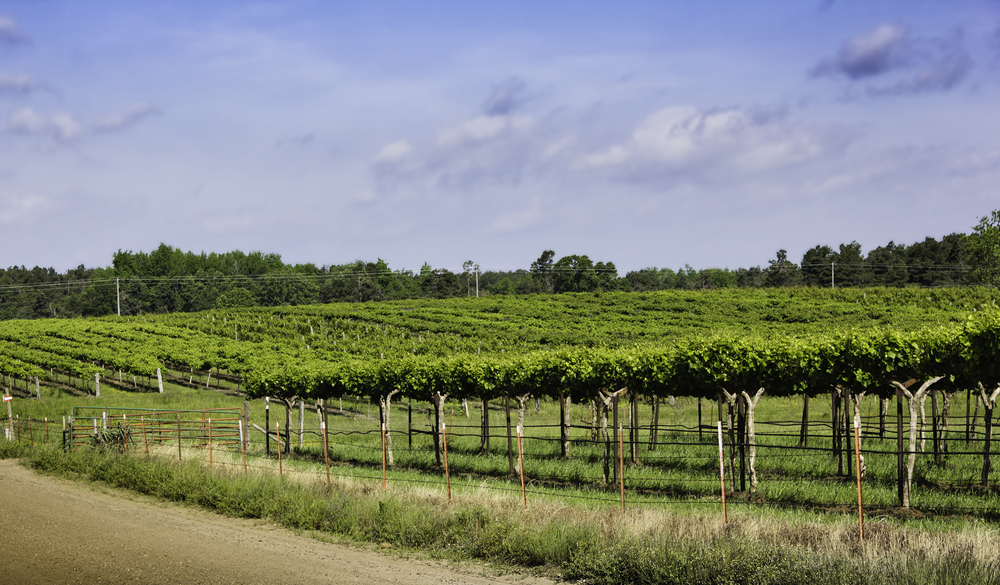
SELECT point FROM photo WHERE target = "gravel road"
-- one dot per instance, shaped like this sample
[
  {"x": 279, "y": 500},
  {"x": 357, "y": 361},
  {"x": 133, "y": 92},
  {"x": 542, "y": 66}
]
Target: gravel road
[{"x": 57, "y": 531}]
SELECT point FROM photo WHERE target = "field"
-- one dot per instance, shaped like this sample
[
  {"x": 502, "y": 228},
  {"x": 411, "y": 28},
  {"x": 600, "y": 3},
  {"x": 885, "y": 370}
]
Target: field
[{"x": 659, "y": 457}]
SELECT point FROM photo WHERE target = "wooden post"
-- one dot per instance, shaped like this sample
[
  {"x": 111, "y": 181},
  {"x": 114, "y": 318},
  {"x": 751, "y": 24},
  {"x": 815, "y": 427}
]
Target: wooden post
[
  {"x": 486, "y": 428},
  {"x": 883, "y": 411},
  {"x": 520, "y": 465},
  {"x": 654, "y": 423},
  {"x": 621, "y": 464},
  {"x": 968, "y": 399},
  {"x": 510, "y": 447},
  {"x": 10, "y": 416},
  {"x": 722, "y": 473},
  {"x": 988, "y": 404},
  {"x": 444, "y": 447},
  {"x": 848, "y": 409},
  {"x": 934, "y": 426},
  {"x": 900, "y": 463},
  {"x": 277, "y": 434},
  {"x": 326, "y": 451},
  {"x": 437, "y": 430},
  {"x": 732, "y": 442},
  {"x": 302, "y": 422},
  {"x": 210, "y": 442},
  {"x": 563, "y": 442},
  {"x": 615, "y": 427},
  {"x": 835, "y": 421},
  {"x": 243, "y": 447},
  {"x": 804, "y": 428},
  {"x": 857, "y": 454},
  {"x": 245, "y": 425},
  {"x": 699, "y": 414},
  {"x": 178, "y": 437},
  {"x": 741, "y": 424},
  {"x": 635, "y": 428}
]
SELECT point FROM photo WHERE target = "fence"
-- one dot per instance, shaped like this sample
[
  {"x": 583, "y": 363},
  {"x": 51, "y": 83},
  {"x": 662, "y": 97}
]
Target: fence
[{"x": 662, "y": 463}]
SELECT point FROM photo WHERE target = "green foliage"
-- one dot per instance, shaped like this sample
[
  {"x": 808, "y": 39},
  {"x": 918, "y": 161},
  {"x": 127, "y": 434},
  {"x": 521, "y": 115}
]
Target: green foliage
[
  {"x": 235, "y": 299},
  {"x": 983, "y": 249}
]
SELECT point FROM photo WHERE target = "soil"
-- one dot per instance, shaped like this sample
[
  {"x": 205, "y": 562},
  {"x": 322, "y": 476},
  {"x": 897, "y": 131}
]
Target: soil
[{"x": 58, "y": 531}]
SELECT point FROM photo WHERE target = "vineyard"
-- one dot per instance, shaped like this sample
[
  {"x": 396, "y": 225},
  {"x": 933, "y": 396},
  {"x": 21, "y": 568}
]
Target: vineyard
[{"x": 607, "y": 389}]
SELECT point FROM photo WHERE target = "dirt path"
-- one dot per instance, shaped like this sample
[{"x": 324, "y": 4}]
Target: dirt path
[{"x": 57, "y": 531}]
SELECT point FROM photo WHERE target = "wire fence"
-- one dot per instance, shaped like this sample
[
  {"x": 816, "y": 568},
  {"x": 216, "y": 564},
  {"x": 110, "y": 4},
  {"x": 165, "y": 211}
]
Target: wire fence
[{"x": 792, "y": 464}]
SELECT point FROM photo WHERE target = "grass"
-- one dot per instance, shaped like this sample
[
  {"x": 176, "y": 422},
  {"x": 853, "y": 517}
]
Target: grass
[
  {"x": 800, "y": 524},
  {"x": 600, "y": 545},
  {"x": 681, "y": 471}
]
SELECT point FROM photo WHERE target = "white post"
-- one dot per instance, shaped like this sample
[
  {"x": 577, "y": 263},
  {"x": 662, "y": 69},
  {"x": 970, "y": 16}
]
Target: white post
[
  {"x": 159, "y": 379},
  {"x": 97, "y": 385},
  {"x": 10, "y": 416},
  {"x": 302, "y": 420}
]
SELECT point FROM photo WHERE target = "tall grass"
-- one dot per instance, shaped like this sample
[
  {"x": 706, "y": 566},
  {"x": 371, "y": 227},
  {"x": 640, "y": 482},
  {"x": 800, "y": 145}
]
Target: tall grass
[{"x": 642, "y": 545}]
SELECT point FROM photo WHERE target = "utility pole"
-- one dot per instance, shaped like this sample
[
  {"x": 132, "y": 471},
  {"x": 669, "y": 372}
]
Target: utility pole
[
  {"x": 118, "y": 295},
  {"x": 832, "y": 285},
  {"x": 477, "y": 281}
]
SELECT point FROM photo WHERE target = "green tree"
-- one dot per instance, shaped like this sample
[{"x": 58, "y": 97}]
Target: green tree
[
  {"x": 235, "y": 298},
  {"x": 607, "y": 277},
  {"x": 983, "y": 251},
  {"x": 541, "y": 269},
  {"x": 781, "y": 271},
  {"x": 504, "y": 286},
  {"x": 850, "y": 266},
  {"x": 817, "y": 266},
  {"x": 575, "y": 274},
  {"x": 887, "y": 265}
]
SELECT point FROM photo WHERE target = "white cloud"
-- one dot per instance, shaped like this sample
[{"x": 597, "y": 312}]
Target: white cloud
[
  {"x": 125, "y": 119},
  {"x": 394, "y": 152},
  {"x": 483, "y": 129},
  {"x": 10, "y": 32},
  {"x": 18, "y": 210},
  {"x": 63, "y": 127},
  {"x": 684, "y": 141},
  {"x": 60, "y": 126},
  {"x": 482, "y": 149},
  {"x": 19, "y": 84}
]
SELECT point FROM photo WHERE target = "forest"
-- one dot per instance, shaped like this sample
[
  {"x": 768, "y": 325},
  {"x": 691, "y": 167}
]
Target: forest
[{"x": 169, "y": 280}]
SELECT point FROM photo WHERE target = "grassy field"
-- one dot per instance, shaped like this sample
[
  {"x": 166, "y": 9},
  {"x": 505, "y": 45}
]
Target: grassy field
[
  {"x": 681, "y": 471},
  {"x": 801, "y": 524}
]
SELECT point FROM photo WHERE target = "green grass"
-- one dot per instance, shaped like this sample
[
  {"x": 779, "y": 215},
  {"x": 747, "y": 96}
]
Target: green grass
[
  {"x": 682, "y": 471},
  {"x": 642, "y": 545}
]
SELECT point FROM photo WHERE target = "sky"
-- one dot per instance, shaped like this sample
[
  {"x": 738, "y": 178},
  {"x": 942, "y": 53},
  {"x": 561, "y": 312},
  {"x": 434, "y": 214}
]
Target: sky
[{"x": 646, "y": 133}]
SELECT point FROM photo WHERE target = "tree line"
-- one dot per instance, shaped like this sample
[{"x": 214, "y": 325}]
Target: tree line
[{"x": 169, "y": 280}]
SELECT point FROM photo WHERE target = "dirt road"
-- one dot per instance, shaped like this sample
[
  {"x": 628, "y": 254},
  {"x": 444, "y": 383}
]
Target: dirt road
[{"x": 57, "y": 531}]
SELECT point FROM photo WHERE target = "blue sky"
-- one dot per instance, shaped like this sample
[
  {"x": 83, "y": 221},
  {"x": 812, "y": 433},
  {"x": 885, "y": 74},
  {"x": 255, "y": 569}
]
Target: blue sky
[{"x": 644, "y": 133}]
